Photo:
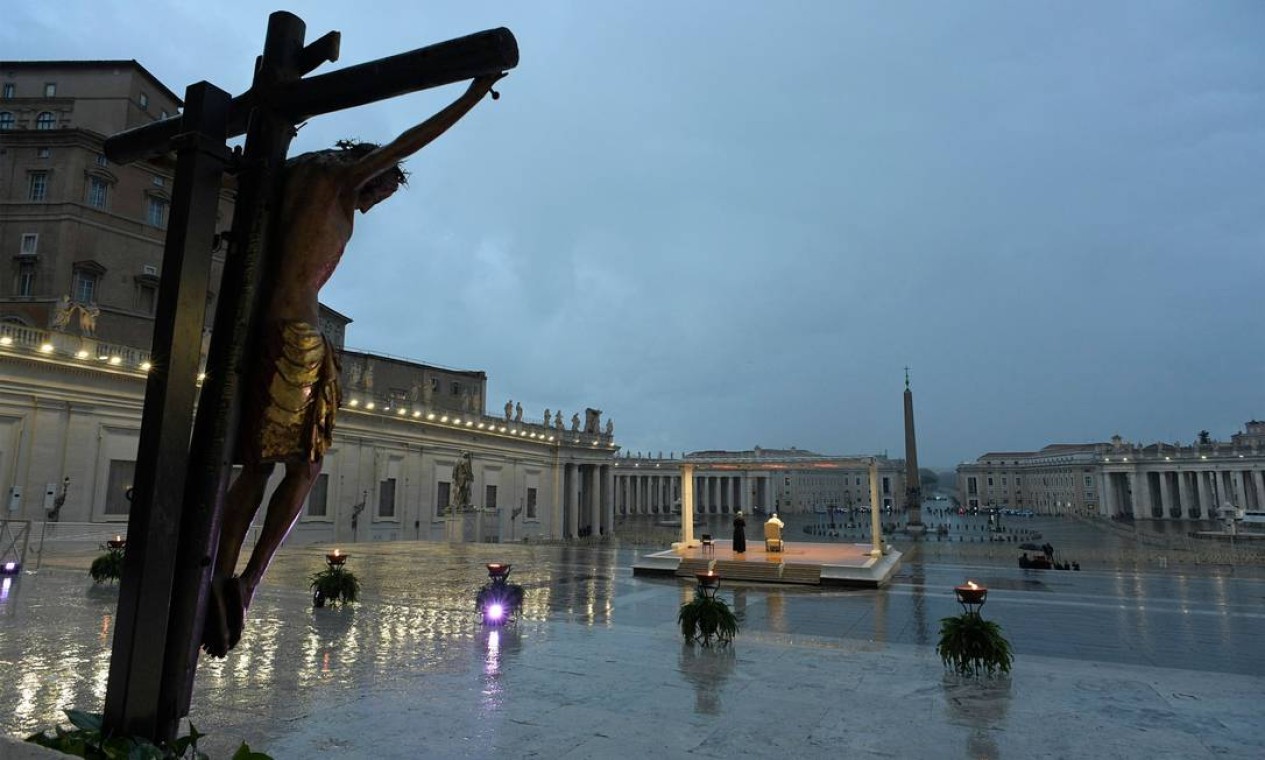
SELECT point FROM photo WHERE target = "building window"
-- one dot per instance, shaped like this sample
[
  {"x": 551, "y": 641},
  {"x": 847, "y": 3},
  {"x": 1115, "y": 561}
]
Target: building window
[
  {"x": 157, "y": 213},
  {"x": 386, "y": 498},
  {"x": 122, "y": 473},
  {"x": 1089, "y": 480},
  {"x": 45, "y": 120},
  {"x": 30, "y": 243},
  {"x": 990, "y": 481},
  {"x": 318, "y": 497},
  {"x": 163, "y": 114},
  {"x": 531, "y": 504},
  {"x": 144, "y": 100},
  {"x": 26, "y": 278},
  {"x": 456, "y": 389},
  {"x": 36, "y": 186},
  {"x": 441, "y": 498},
  {"x": 50, "y": 90},
  {"x": 97, "y": 192},
  {"x": 159, "y": 182},
  {"x": 6, "y": 121},
  {"x": 147, "y": 301},
  {"x": 85, "y": 286},
  {"x": 489, "y": 497},
  {"x": 10, "y": 90},
  {"x": 43, "y": 152},
  {"x": 102, "y": 160}
]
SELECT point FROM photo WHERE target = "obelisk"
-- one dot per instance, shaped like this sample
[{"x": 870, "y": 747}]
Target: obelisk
[{"x": 913, "y": 481}]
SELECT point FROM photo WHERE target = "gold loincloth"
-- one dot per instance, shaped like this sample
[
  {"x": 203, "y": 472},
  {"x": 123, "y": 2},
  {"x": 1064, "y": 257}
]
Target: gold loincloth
[{"x": 294, "y": 397}]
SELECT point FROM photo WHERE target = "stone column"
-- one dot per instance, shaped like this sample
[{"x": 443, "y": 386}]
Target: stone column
[
  {"x": 1166, "y": 494},
  {"x": 1240, "y": 493},
  {"x": 573, "y": 500},
  {"x": 1258, "y": 482},
  {"x": 687, "y": 505},
  {"x": 1142, "y": 497},
  {"x": 593, "y": 485},
  {"x": 1184, "y": 495},
  {"x": 1222, "y": 491},
  {"x": 1137, "y": 488},
  {"x": 1108, "y": 502},
  {"x": 608, "y": 498},
  {"x": 1205, "y": 498}
]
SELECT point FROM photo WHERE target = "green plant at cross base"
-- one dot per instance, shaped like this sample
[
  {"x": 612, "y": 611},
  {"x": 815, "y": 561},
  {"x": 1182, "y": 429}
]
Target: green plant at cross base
[
  {"x": 87, "y": 739},
  {"x": 107, "y": 567},
  {"x": 336, "y": 584},
  {"x": 973, "y": 646},
  {"x": 706, "y": 618}
]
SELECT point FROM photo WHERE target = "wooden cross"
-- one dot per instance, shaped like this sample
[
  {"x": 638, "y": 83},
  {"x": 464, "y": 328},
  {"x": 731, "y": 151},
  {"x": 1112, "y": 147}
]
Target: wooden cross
[{"x": 180, "y": 486}]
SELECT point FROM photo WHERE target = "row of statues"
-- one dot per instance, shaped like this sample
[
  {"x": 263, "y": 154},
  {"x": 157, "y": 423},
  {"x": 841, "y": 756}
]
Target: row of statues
[{"x": 514, "y": 413}]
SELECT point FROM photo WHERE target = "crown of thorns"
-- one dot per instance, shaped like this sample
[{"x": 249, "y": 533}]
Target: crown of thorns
[{"x": 357, "y": 148}]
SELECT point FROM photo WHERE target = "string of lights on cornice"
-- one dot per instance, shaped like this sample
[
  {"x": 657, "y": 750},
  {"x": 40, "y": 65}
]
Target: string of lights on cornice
[
  {"x": 472, "y": 424},
  {"x": 84, "y": 355},
  {"x": 468, "y": 423}
]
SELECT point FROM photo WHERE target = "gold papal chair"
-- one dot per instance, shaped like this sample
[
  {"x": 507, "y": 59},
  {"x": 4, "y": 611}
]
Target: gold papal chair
[{"x": 772, "y": 537}]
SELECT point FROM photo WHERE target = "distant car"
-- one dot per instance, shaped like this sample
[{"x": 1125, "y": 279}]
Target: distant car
[{"x": 1024, "y": 513}]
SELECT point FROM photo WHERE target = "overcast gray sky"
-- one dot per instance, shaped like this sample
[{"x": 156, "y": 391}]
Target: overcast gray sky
[{"x": 730, "y": 224}]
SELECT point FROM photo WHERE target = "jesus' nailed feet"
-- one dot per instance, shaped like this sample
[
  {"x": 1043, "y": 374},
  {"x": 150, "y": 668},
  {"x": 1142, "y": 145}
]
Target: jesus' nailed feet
[{"x": 225, "y": 616}]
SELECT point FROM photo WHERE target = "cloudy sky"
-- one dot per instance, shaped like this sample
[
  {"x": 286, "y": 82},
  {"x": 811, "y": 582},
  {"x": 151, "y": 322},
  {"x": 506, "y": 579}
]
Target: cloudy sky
[{"x": 731, "y": 224}]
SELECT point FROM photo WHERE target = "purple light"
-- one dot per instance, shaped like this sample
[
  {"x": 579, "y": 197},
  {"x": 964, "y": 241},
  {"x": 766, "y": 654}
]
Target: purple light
[
  {"x": 10, "y": 567},
  {"x": 495, "y": 611}
]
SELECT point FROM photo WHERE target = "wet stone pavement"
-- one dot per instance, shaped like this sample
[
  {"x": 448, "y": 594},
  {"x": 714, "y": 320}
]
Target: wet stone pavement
[{"x": 1108, "y": 663}]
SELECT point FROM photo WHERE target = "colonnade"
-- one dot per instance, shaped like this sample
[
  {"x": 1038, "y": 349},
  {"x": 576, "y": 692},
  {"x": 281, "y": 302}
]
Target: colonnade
[
  {"x": 587, "y": 505},
  {"x": 1182, "y": 494},
  {"x": 652, "y": 491}
]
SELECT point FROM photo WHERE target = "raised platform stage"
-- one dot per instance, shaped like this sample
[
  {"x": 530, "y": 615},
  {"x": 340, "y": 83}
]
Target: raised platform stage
[{"x": 801, "y": 563}]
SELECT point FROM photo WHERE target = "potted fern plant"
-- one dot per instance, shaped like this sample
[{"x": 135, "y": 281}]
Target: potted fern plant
[
  {"x": 706, "y": 618},
  {"x": 969, "y": 644},
  {"x": 335, "y": 583},
  {"x": 109, "y": 566}
]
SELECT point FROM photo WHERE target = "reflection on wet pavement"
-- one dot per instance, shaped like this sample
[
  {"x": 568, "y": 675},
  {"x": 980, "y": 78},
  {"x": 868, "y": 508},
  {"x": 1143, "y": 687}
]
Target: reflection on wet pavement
[{"x": 417, "y": 623}]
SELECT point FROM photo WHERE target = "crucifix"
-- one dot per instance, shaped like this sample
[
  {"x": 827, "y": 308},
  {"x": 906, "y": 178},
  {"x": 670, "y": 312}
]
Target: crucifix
[{"x": 271, "y": 379}]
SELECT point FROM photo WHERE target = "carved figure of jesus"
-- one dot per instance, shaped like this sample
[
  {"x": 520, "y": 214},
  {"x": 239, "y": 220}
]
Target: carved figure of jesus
[{"x": 289, "y": 403}]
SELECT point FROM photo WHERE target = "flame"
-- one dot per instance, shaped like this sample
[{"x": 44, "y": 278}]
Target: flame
[
  {"x": 972, "y": 585},
  {"x": 335, "y": 552}
]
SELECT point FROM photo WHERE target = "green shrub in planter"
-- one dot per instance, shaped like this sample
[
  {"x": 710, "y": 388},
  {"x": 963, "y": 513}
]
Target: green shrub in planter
[
  {"x": 87, "y": 739},
  {"x": 707, "y": 618},
  {"x": 107, "y": 567},
  {"x": 973, "y": 646},
  {"x": 335, "y": 584}
]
